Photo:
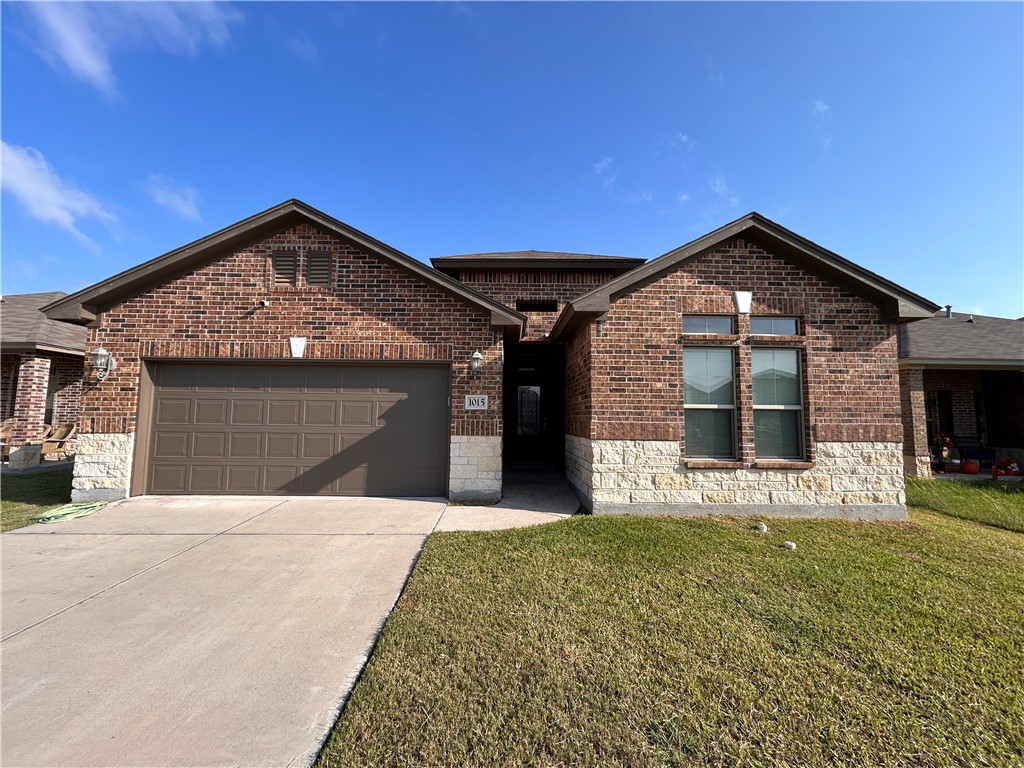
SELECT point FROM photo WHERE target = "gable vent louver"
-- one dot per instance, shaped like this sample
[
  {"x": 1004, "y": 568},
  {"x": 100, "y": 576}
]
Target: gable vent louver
[
  {"x": 318, "y": 270},
  {"x": 286, "y": 268}
]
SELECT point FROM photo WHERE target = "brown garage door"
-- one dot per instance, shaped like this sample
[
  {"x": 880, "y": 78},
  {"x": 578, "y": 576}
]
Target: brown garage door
[{"x": 359, "y": 430}]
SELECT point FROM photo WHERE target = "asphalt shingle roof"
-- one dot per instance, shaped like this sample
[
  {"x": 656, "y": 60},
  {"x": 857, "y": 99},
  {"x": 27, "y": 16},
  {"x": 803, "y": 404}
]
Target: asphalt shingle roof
[
  {"x": 984, "y": 339},
  {"x": 23, "y": 326}
]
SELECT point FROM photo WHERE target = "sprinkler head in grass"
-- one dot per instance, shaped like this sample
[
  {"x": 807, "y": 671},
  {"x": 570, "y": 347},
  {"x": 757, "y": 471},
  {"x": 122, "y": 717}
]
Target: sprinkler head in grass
[
  {"x": 761, "y": 528},
  {"x": 789, "y": 545}
]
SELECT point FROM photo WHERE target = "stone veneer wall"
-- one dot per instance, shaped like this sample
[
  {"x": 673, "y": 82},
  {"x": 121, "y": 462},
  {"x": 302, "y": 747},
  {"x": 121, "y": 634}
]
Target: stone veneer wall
[
  {"x": 862, "y": 480},
  {"x": 475, "y": 468},
  {"x": 103, "y": 467}
]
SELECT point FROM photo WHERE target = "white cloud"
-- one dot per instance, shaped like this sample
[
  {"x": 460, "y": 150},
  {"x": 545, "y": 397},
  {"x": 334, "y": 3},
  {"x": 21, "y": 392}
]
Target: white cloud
[
  {"x": 177, "y": 196},
  {"x": 683, "y": 198},
  {"x": 82, "y": 36},
  {"x": 720, "y": 188},
  {"x": 49, "y": 198},
  {"x": 821, "y": 113},
  {"x": 604, "y": 170},
  {"x": 640, "y": 196},
  {"x": 303, "y": 48},
  {"x": 682, "y": 141}
]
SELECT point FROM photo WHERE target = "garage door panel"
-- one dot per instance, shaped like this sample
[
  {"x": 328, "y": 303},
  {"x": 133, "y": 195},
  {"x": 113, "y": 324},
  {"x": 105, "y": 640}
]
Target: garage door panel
[
  {"x": 169, "y": 478},
  {"x": 243, "y": 479},
  {"x": 173, "y": 411},
  {"x": 283, "y": 446},
  {"x": 283, "y": 412},
  {"x": 357, "y": 414},
  {"x": 317, "y": 446},
  {"x": 209, "y": 444},
  {"x": 245, "y": 445},
  {"x": 171, "y": 445},
  {"x": 299, "y": 429},
  {"x": 207, "y": 479},
  {"x": 214, "y": 378},
  {"x": 172, "y": 377},
  {"x": 286, "y": 379},
  {"x": 246, "y": 412},
  {"x": 211, "y": 412},
  {"x": 320, "y": 413}
]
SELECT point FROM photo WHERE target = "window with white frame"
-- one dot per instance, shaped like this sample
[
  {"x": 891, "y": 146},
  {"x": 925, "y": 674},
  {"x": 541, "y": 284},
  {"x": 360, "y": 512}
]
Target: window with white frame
[
  {"x": 778, "y": 404},
  {"x": 707, "y": 324},
  {"x": 709, "y": 402},
  {"x": 774, "y": 326}
]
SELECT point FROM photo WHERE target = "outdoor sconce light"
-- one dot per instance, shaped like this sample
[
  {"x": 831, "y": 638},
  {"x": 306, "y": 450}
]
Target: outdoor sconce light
[
  {"x": 475, "y": 361},
  {"x": 742, "y": 301},
  {"x": 102, "y": 362}
]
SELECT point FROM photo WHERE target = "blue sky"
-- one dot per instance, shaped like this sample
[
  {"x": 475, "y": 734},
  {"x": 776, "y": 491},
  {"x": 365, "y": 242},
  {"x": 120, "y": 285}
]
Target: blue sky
[{"x": 892, "y": 134}]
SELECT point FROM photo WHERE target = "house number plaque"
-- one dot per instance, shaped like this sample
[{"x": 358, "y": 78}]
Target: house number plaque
[{"x": 476, "y": 402}]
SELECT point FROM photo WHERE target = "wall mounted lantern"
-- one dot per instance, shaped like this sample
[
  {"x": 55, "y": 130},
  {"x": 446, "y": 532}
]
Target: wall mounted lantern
[
  {"x": 102, "y": 362},
  {"x": 742, "y": 301},
  {"x": 475, "y": 361}
]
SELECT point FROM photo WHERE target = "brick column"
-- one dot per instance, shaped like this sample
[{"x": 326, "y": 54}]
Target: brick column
[
  {"x": 30, "y": 399},
  {"x": 916, "y": 458}
]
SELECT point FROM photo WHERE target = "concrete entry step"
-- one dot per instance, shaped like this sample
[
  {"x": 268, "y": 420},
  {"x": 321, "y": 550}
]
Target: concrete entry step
[{"x": 529, "y": 497}]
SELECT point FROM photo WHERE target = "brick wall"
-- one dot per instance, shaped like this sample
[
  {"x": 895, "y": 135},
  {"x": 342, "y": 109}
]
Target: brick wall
[
  {"x": 372, "y": 311},
  {"x": 30, "y": 398},
  {"x": 962, "y": 385},
  {"x": 851, "y": 386},
  {"x": 562, "y": 286},
  {"x": 915, "y": 432},
  {"x": 66, "y": 398},
  {"x": 578, "y": 408},
  {"x": 8, "y": 385}
]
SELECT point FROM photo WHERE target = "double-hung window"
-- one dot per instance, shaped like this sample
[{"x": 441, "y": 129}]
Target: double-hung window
[
  {"x": 709, "y": 402},
  {"x": 778, "y": 404}
]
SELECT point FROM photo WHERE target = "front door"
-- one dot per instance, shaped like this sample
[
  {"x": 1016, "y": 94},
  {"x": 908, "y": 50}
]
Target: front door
[{"x": 534, "y": 405}]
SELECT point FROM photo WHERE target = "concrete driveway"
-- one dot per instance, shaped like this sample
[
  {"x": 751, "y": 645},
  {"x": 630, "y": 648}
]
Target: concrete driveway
[{"x": 196, "y": 631}]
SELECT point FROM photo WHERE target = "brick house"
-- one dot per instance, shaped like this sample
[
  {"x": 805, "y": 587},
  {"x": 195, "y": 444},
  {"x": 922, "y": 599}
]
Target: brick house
[
  {"x": 962, "y": 376},
  {"x": 40, "y": 366},
  {"x": 291, "y": 353}
]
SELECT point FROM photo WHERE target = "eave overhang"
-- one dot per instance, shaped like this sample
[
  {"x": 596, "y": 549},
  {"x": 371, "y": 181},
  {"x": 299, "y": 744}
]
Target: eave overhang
[
  {"x": 84, "y": 306},
  {"x": 898, "y": 305}
]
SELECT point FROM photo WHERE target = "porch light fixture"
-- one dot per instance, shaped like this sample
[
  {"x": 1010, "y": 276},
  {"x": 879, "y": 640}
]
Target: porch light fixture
[
  {"x": 742, "y": 301},
  {"x": 102, "y": 362},
  {"x": 475, "y": 361}
]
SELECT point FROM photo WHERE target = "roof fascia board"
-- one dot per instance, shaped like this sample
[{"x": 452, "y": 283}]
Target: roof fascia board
[
  {"x": 80, "y": 307},
  {"x": 960, "y": 363},
  {"x": 32, "y": 347},
  {"x": 898, "y": 303},
  {"x": 496, "y": 264}
]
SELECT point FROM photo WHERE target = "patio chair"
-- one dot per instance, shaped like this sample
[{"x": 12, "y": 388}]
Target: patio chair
[{"x": 59, "y": 441}]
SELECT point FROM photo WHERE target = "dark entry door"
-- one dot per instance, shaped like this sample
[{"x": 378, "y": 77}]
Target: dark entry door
[{"x": 534, "y": 405}]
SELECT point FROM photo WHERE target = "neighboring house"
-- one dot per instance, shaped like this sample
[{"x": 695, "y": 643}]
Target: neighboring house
[
  {"x": 293, "y": 354},
  {"x": 962, "y": 376},
  {"x": 40, "y": 366}
]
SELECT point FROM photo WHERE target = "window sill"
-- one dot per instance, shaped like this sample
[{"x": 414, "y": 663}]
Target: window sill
[
  {"x": 713, "y": 464},
  {"x": 783, "y": 464}
]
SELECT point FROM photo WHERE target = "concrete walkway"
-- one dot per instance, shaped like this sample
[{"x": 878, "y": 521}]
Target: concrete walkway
[
  {"x": 529, "y": 497},
  {"x": 210, "y": 631}
]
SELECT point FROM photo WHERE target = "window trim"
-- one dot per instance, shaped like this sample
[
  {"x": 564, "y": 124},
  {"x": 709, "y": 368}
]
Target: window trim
[
  {"x": 794, "y": 318},
  {"x": 802, "y": 407},
  {"x": 735, "y": 455},
  {"x": 705, "y": 316}
]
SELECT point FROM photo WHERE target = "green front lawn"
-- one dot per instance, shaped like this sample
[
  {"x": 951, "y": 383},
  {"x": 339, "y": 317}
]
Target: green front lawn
[
  {"x": 989, "y": 501},
  {"x": 22, "y": 497},
  {"x": 602, "y": 641}
]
